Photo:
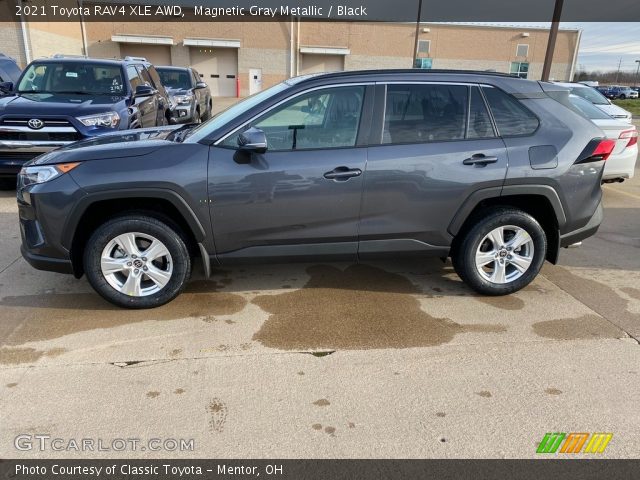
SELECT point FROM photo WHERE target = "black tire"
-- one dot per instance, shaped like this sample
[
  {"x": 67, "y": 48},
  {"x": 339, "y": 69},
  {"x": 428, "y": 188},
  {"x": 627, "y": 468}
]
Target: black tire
[
  {"x": 464, "y": 252},
  {"x": 169, "y": 235},
  {"x": 623, "y": 96},
  {"x": 207, "y": 112},
  {"x": 8, "y": 184}
]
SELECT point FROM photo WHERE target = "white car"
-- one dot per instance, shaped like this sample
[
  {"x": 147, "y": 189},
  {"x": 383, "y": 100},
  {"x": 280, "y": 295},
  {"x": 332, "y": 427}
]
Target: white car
[
  {"x": 621, "y": 163},
  {"x": 595, "y": 97}
]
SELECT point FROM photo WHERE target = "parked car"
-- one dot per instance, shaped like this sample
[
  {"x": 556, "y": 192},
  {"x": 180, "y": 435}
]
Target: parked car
[
  {"x": 598, "y": 99},
  {"x": 621, "y": 93},
  {"x": 190, "y": 96},
  {"x": 606, "y": 92},
  {"x": 9, "y": 73},
  {"x": 347, "y": 165},
  {"x": 60, "y": 100},
  {"x": 621, "y": 164}
]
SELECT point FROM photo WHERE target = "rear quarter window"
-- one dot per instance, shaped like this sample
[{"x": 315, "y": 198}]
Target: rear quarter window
[{"x": 511, "y": 117}]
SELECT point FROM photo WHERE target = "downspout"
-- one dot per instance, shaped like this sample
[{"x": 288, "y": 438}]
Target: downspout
[
  {"x": 291, "y": 43},
  {"x": 298, "y": 49},
  {"x": 575, "y": 57},
  {"x": 25, "y": 36}
]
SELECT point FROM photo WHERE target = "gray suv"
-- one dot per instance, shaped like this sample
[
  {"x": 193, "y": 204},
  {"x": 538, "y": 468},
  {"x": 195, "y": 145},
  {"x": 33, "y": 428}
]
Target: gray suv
[{"x": 491, "y": 170}]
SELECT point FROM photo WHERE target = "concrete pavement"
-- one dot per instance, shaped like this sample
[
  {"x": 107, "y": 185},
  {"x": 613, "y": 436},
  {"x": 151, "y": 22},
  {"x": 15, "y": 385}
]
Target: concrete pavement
[{"x": 388, "y": 359}]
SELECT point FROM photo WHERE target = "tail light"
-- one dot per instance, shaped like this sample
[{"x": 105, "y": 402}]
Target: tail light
[
  {"x": 597, "y": 150},
  {"x": 632, "y": 135}
]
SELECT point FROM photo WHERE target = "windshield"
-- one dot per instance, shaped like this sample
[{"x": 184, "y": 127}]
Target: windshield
[
  {"x": 72, "y": 77},
  {"x": 177, "y": 79},
  {"x": 590, "y": 94},
  {"x": 588, "y": 109},
  {"x": 224, "y": 117}
]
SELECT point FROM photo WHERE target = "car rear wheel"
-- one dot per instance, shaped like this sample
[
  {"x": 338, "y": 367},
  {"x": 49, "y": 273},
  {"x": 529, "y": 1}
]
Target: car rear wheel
[
  {"x": 137, "y": 261},
  {"x": 623, "y": 96},
  {"x": 501, "y": 252}
]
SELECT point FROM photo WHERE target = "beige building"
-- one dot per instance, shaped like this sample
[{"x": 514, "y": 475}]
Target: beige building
[{"x": 260, "y": 54}]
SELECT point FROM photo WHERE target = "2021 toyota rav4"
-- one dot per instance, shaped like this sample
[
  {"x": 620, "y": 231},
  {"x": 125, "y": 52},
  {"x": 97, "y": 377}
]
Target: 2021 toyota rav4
[{"x": 494, "y": 171}]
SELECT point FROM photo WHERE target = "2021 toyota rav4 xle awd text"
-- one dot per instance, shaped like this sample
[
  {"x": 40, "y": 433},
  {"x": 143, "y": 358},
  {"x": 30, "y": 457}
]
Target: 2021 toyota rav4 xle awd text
[{"x": 494, "y": 171}]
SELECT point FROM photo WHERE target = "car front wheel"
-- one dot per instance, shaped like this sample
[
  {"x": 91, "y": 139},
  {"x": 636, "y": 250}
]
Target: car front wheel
[
  {"x": 501, "y": 252},
  {"x": 137, "y": 261}
]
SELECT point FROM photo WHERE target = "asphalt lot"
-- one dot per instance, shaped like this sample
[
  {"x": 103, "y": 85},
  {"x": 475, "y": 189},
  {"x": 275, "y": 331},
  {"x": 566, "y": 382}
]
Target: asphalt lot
[{"x": 389, "y": 359}]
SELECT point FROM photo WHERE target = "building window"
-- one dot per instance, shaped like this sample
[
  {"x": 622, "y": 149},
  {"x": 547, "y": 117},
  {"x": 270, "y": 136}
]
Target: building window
[
  {"x": 424, "y": 46},
  {"x": 425, "y": 63},
  {"x": 522, "y": 50},
  {"x": 520, "y": 69}
]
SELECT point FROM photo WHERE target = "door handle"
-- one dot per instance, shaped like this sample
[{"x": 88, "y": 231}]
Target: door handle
[
  {"x": 479, "y": 159},
  {"x": 342, "y": 173}
]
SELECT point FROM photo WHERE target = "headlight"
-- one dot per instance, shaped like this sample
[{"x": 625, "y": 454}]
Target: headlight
[
  {"x": 34, "y": 174},
  {"x": 109, "y": 119},
  {"x": 182, "y": 99}
]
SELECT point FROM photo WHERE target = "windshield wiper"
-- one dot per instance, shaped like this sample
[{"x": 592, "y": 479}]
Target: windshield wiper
[
  {"x": 77, "y": 92},
  {"x": 181, "y": 133}
]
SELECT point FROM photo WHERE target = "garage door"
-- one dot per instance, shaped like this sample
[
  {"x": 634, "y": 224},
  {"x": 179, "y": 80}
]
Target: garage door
[
  {"x": 314, "y": 63},
  {"x": 218, "y": 67},
  {"x": 156, "y": 54}
]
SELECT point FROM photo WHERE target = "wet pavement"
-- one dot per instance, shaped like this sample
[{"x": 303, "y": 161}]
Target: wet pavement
[{"x": 384, "y": 359}]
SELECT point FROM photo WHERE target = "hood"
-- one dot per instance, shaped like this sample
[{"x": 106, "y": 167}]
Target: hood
[
  {"x": 615, "y": 111},
  {"x": 130, "y": 143},
  {"x": 177, "y": 91},
  {"x": 45, "y": 104}
]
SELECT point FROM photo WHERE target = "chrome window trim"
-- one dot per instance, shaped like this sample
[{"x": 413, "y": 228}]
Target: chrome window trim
[{"x": 263, "y": 112}]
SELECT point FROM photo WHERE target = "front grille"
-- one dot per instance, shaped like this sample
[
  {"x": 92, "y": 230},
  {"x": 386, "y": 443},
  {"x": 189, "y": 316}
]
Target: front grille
[
  {"x": 48, "y": 122},
  {"x": 40, "y": 136}
]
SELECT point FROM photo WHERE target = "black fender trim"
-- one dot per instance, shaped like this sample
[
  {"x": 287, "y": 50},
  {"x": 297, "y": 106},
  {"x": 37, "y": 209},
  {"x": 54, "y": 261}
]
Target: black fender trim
[
  {"x": 495, "y": 192},
  {"x": 174, "y": 198}
]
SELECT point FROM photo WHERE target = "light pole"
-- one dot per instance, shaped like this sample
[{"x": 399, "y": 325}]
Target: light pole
[
  {"x": 637, "y": 72},
  {"x": 415, "y": 45},
  {"x": 551, "y": 44}
]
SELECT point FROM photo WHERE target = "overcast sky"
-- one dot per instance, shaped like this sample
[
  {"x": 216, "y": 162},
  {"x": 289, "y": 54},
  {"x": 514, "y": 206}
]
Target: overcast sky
[{"x": 603, "y": 45}]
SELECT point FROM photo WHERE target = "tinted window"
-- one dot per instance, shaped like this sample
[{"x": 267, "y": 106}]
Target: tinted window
[
  {"x": 424, "y": 113},
  {"x": 134, "y": 77},
  {"x": 591, "y": 94},
  {"x": 479, "y": 120},
  {"x": 62, "y": 77},
  {"x": 588, "y": 109},
  {"x": 511, "y": 117},
  {"x": 178, "y": 79},
  {"x": 326, "y": 118}
]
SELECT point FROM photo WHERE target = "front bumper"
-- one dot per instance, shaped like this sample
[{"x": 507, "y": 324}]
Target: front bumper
[
  {"x": 43, "y": 210},
  {"x": 183, "y": 114}
]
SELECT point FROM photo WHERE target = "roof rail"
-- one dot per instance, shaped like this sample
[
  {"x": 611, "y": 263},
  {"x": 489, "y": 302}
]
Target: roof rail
[
  {"x": 135, "y": 59},
  {"x": 64, "y": 55},
  {"x": 346, "y": 73}
]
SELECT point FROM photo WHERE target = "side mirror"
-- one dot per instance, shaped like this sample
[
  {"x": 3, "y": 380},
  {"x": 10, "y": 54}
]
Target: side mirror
[
  {"x": 6, "y": 87},
  {"x": 144, "y": 91},
  {"x": 200, "y": 85},
  {"x": 253, "y": 140}
]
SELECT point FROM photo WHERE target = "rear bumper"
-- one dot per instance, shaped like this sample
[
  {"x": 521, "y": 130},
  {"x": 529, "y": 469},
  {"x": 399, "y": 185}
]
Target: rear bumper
[
  {"x": 587, "y": 231},
  {"x": 622, "y": 165}
]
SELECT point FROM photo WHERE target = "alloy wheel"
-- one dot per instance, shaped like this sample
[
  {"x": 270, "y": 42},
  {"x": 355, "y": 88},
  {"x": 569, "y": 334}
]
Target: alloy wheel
[
  {"x": 504, "y": 254},
  {"x": 136, "y": 264}
]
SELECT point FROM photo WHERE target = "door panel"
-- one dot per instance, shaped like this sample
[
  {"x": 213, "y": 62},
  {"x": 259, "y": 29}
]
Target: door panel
[
  {"x": 282, "y": 198},
  {"x": 305, "y": 190},
  {"x": 438, "y": 145},
  {"x": 414, "y": 191}
]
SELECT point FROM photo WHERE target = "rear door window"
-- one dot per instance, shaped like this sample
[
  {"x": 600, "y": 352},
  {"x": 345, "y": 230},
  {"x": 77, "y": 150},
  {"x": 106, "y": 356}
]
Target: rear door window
[
  {"x": 425, "y": 113},
  {"x": 511, "y": 117},
  {"x": 480, "y": 125}
]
